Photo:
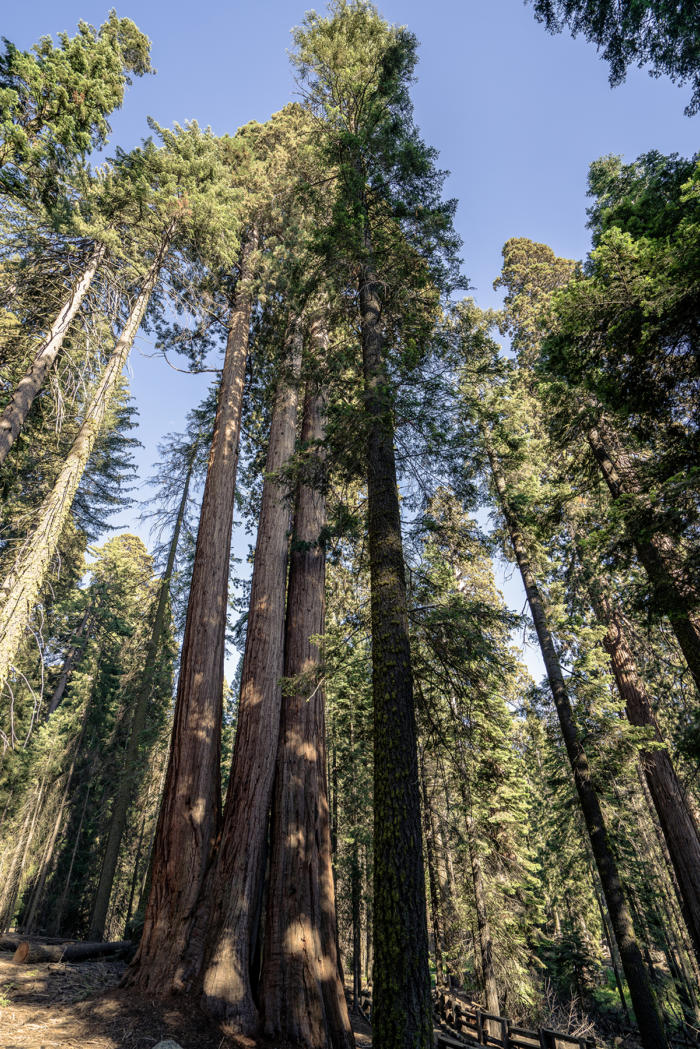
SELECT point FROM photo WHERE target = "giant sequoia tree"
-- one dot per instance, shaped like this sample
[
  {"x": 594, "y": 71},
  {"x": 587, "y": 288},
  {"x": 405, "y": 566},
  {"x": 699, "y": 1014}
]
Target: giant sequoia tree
[{"x": 380, "y": 726}]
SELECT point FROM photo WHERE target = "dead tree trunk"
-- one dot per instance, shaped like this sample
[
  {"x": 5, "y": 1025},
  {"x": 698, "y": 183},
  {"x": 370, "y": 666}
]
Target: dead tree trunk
[
  {"x": 189, "y": 816},
  {"x": 23, "y": 583},
  {"x": 28, "y": 953},
  {"x": 16, "y": 411},
  {"x": 223, "y": 937}
]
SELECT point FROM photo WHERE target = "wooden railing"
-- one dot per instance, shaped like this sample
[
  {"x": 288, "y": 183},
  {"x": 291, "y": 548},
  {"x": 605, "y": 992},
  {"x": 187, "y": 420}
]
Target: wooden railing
[{"x": 461, "y": 1022}]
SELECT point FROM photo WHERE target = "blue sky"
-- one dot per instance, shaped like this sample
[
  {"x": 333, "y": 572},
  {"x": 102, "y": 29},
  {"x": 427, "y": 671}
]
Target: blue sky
[{"x": 516, "y": 114}]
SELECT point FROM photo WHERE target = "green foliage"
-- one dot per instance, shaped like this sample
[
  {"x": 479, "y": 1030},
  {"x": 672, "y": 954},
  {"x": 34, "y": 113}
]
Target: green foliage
[
  {"x": 662, "y": 34},
  {"x": 55, "y": 102}
]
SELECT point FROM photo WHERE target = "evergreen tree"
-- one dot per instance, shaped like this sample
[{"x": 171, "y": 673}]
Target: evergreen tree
[
  {"x": 387, "y": 227},
  {"x": 653, "y": 32}
]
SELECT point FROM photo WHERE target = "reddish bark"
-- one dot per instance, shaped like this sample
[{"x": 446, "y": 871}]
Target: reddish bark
[
  {"x": 301, "y": 986},
  {"x": 678, "y": 825},
  {"x": 189, "y": 817},
  {"x": 661, "y": 556},
  {"x": 226, "y": 927}
]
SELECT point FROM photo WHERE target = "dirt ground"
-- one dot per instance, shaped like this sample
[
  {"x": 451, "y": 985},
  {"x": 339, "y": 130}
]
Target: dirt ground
[{"x": 61, "y": 1006}]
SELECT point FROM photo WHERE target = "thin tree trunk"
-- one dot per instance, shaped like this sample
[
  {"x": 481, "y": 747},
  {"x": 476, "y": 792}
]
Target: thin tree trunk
[
  {"x": 432, "y": 876},
  {"x": 72, "y": 654},
  {"x": 369, "y": 919},
  {"x": 612, "y": 947},
  {"x": 675, "y": 817},
  {"x": 130, "y": 768},
  {"x": 448, "y": 894},
  {"x": 401, "y": 1003},
  {"x": 356, "y": 917},
  {"x": 38, "y": 893},
  {"x": 643, "y": 998},
  {"x": 19, "y": 859},
  {"x": 22, "y": 585},
  {"x": 225, "y": 931},
  {"x": 675, "y": 592},
  {"x": 676, "y": 903},
  {"x": 303, "y": 996},
  {"x": 134, "y": 877},
  {"x": 488, "y": 971},
  {"x": 15, "y": 866},
  {"x": 189, "y": 816},
  {"x": 15, "y": 412},
  {"x": 145, "y": 888},
  {"x": 58, "y": 918}
]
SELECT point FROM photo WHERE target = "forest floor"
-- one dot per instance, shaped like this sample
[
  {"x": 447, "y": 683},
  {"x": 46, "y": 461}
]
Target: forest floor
[{"x": 64, "y": 1006}]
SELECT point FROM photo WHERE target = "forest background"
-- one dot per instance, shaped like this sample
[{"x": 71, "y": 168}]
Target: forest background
[
  {"x": 517, "y": 116},
  {"x": 590, "y": 438}
]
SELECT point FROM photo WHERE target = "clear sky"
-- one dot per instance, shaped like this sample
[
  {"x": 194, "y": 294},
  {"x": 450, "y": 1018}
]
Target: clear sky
[{"x": 516, "y": 114}]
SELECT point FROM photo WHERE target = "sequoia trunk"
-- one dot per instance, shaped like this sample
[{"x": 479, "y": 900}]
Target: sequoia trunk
[
  {"x": 189, "y": 817},
  {"x": 304, "y": 1001},
  {"x": 226, "y": 926}
]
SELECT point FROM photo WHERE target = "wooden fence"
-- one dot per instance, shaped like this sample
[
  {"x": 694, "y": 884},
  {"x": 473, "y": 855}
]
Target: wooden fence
[{"x": 459, "y": 1021}]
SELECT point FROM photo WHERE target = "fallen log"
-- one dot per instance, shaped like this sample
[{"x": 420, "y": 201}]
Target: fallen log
[
  {"x": 71, "y": 952},
  {"x": 11, "y": 941}
]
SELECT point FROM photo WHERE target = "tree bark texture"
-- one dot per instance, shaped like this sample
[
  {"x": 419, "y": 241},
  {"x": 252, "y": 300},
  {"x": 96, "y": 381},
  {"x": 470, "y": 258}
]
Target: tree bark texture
[
  {"x": 16, "y": 411},
  {"x": 130, "y": 768},
  {"x": 644, "y": 1002},
  {"x": 21, "y": 587},
  {"x": 678, "y": 825},
  {"x": 190, "y": 813},
  {"x": 401, "y": 1003},
  {"x": 225, "y": 932},
  {"x": 676, "y": 593},
  {"x": 303, "y": 996}
]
